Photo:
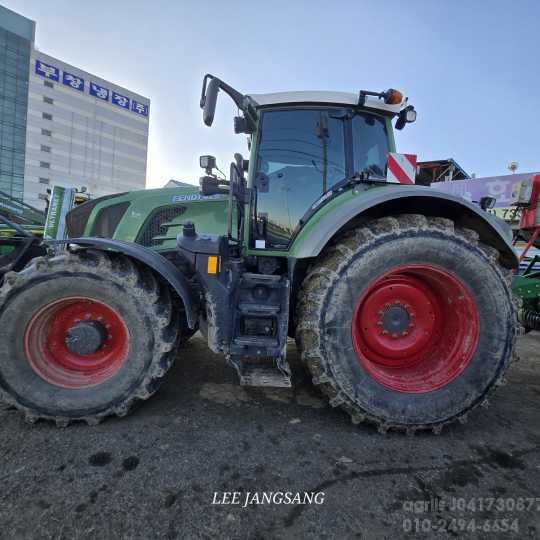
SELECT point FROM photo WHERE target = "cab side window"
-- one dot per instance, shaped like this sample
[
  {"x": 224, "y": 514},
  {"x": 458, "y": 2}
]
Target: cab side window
[{"x": 370, "y": 144}]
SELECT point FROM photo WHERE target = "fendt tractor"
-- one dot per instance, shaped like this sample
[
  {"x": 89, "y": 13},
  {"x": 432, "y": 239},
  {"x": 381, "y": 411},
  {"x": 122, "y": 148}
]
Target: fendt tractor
[{"x": 398, "y": 296}]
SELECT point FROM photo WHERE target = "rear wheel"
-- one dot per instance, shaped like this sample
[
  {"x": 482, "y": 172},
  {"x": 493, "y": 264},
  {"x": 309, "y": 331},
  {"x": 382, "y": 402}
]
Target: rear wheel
[
  {"x": 407, "y": 322},
  {"x": 83, "y": 336}
]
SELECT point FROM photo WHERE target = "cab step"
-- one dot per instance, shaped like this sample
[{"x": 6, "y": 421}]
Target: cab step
[
  {"x": 262, "y": 372},
  {"x": 256, "y": 341}
]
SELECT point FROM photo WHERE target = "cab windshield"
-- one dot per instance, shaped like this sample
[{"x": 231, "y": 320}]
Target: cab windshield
[{"x": 302, "y": 154}]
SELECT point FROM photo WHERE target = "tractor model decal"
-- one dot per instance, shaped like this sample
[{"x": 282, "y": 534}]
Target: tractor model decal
[{"x": 193, "y": 197}]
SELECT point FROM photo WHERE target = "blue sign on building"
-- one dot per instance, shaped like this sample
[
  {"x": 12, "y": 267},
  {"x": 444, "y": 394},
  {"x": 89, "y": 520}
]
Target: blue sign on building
[
  {"x": 120, "y": 100},
  {"x": 139, "y": 108},
  {"x": 99, "y": 91},
  {"x": 73, "y": 81},
  {"x": 47, "y": 71},
  {"x": 77, "y": 83}
]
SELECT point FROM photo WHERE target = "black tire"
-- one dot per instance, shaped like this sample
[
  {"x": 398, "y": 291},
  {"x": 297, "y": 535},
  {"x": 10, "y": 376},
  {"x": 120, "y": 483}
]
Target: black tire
[
  {"x": 339, "y": 280},
  {"x": 132, "y": 291}
]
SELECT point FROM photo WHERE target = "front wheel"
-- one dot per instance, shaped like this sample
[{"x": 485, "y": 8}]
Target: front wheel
[
  {"x": 83, "y": 336},
  {"x": 407, "y": 322}
]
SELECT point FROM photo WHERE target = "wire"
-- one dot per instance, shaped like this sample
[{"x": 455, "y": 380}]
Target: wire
[{"x": 220, "y": 171}]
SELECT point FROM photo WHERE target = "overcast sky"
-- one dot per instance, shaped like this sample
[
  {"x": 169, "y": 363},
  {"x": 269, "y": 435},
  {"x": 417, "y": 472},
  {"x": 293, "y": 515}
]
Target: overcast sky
[{"x": 471, "y": 68}]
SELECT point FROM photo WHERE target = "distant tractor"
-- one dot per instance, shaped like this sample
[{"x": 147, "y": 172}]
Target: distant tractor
[{"x": 398, "y": 296}]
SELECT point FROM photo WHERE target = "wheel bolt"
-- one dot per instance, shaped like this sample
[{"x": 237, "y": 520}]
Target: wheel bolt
[
  {"x": 100, "y": 319},
  {"x": 379, "y": 323},
  {"x": 88, "y": 316},
  {"x": 394, "y": 336},
  {"x": 404, "y": 333},
  {"x": 109, "y": 336},
  {"x": 385, "y": 332},
  {"x": 108, "y": 326},
  {"x": 411, "y": 325}
]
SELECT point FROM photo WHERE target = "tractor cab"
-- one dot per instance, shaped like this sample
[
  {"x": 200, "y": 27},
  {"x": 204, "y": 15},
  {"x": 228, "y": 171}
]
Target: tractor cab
[{"x": 305, "y": 146}]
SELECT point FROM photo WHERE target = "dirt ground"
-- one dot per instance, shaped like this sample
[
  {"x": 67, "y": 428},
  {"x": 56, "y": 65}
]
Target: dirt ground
[{"x": 157, "y": 473}]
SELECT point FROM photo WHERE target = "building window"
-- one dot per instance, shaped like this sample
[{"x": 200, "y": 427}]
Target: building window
[
  {"x": 48, "y": 84},
  {"x": 43, "y": 196},
  {"x": 46, "y": 132},
  {"x": 45, "y": 148},
  {"x": 46, "y": 116},
  {"x": 48, "y": 100},
  {"x": 44, "y": 165},
  {"x": 44, "y": 181}
]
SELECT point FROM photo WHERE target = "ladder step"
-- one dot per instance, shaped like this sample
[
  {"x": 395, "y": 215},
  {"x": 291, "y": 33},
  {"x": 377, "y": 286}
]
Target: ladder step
[
  {"x": 258, "y": 309},
  {"x": 256, "y": 375},
  {"x": 256, "y": 341},
  {"x": 269, "y": 280}
]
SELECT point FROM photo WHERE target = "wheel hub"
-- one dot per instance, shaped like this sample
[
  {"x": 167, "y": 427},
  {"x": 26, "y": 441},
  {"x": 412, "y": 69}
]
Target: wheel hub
[
  {"x": 395, "y": 319},
  {"x": 86, "y": 337}
]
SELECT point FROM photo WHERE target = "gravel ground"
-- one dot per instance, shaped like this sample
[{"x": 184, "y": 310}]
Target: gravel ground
[{"x": 156, "y": 473}]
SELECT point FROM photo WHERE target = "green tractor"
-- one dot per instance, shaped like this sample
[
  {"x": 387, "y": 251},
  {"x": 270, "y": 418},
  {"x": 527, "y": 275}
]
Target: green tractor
[{"x": 398, "y": 296}]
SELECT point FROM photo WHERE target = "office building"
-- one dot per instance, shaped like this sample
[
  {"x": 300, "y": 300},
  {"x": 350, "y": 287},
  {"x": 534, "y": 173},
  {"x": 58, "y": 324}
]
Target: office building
[
  {"x": 16, "y": 39},
  {"x": 79, "y": 129}
]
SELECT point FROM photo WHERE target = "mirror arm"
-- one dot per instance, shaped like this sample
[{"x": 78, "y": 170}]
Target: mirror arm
[{"x": 235, "y": 95}]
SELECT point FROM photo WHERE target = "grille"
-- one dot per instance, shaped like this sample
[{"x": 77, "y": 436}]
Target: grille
[
  {"x": 77, "y": 218},
  {"x": 108, "y": 219},
  {"x": 153, "y": 226}
]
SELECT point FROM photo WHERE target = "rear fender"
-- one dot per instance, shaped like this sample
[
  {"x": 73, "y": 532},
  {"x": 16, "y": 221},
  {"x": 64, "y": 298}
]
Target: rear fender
[
  {"x": 162, "y": 266},
  {"x": 355, "y": 207}
]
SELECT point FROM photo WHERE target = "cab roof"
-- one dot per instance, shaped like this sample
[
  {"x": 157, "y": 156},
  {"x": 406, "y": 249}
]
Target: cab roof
[{"x": 323, "y": 97}]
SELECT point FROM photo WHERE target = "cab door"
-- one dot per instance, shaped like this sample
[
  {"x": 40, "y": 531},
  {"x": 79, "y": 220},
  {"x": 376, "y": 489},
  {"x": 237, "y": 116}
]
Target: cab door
[{"x": 301, "y": 154}]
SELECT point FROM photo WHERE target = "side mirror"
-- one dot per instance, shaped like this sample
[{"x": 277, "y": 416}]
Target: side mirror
[
  {"x": 209, "y": 101},
  {"x": 207, "y": 163}
]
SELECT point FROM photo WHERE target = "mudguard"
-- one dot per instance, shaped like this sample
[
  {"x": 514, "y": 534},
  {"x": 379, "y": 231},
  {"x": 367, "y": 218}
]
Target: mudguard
[
  {"x": 356, "y": 205},
  {"x": 153, "y": 260}
]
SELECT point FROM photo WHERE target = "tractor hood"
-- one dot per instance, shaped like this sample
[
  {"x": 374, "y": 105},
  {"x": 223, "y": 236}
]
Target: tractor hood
[{"x": 151, "y": 217}]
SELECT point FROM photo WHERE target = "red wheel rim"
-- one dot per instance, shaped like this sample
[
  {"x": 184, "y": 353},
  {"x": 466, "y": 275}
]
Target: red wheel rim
[
  {"x": 416, "y": 328},
  {"x": 45, "y": 343}
]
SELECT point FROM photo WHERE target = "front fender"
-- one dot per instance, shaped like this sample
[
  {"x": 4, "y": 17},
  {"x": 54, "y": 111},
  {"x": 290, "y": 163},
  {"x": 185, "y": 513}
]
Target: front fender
[
  {"x": 153, "y": 260},
  {"x": 353, "y": 207}
]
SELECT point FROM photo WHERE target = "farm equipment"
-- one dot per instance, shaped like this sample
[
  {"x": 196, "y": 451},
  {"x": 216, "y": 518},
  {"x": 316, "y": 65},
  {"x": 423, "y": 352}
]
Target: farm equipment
[
  {"x": 526, "y": 285},
  {"x": 21, "y": 225},
  {"x": 398, "y": 296},
  {"x": 515, "y": 197}
]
